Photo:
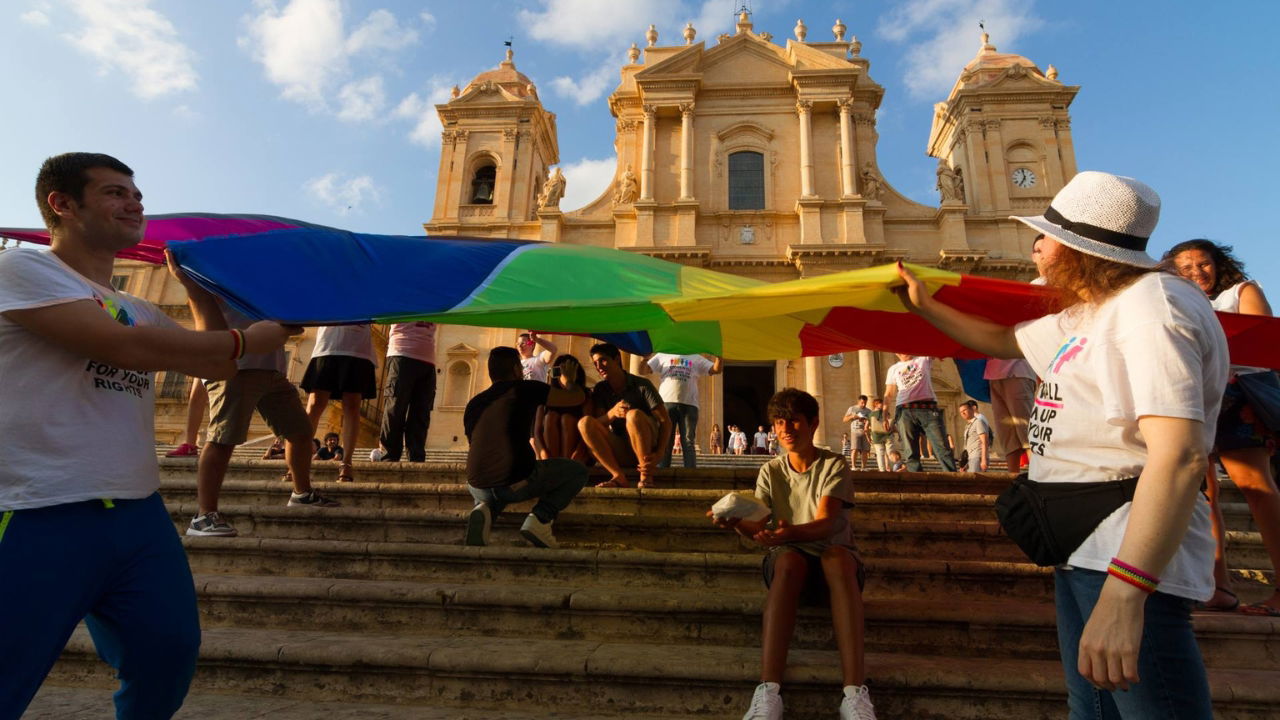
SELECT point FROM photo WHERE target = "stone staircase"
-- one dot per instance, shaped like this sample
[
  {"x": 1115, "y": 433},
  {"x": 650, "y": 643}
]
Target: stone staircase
[{"x": 646, "y": 610}]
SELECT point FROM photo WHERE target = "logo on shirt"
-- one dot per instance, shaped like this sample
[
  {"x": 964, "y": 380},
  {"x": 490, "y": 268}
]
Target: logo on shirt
[
  {"x": 1068, "y": 351},
  {"x": 116, "y": 309}
]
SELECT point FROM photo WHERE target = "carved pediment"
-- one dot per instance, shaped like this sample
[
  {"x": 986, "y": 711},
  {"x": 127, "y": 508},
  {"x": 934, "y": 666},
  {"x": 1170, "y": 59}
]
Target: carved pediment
[
  {"x": 688, "y": 60},
  {"x": 462, "y": 350},
  {"x": 486, "y": 92}
]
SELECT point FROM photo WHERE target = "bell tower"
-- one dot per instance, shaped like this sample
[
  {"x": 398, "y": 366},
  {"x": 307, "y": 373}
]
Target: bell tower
[
  {"x": 1005, "y": 134},
  {"x": 497, "y": 146}
]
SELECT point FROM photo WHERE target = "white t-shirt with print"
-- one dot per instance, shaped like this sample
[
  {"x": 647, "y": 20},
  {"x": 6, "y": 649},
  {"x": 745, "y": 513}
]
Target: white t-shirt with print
[
  {"x": 912, "y": 379},
  {"x": 858, "y": 423},
  {"x": 347, "y": 340},
  {"x": 71, "y": 428},
  {"x": 535, "y": 368},
  {"x": 1155, "y": 349},
  {"x": 680, "y": 375}
]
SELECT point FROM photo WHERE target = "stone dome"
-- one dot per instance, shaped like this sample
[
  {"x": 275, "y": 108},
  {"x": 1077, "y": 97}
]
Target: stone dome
[
  {"x": 506, "y": 76},
  {"x": 989, "y": 65}
]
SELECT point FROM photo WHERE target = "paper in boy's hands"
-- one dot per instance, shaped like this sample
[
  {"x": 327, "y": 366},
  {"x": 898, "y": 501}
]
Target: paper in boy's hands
[{"x": 742, "y": 507}]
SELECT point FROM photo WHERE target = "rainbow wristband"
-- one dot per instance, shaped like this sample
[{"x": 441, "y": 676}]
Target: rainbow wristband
[
  {"x": 1132, "y": 575},
  {"x": 237, "y": 348}
]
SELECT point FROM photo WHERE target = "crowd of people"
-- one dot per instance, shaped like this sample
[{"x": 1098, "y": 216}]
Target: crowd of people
[{"x": 1100, "y": 417}]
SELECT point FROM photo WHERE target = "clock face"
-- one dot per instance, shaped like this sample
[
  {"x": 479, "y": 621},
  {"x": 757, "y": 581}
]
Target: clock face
[
  {"x": 1024, "y": 178},
  {"x": 836, "y": 360}
]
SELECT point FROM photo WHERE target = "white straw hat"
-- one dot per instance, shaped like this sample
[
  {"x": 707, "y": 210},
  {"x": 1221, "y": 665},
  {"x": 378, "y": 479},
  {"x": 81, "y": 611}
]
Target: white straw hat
[{"x": 1104, "y": 215}]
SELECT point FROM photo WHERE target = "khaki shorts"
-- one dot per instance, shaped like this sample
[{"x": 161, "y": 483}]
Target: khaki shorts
[
  {"x": 621, "y": 444},
  {"x": 232, "y": 402}
]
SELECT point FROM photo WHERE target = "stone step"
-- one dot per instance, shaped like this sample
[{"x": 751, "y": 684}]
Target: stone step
[
  {"x": 81, "y": 703},
  {"x": 1009, "y": 628},
  {"x": 623, "y": 678},
  {"x": 877, "y": 537},
  {"x": 897, "y": 577},
  {"x": 660, "y": 502},
  {"x": 726, "y": 478}
]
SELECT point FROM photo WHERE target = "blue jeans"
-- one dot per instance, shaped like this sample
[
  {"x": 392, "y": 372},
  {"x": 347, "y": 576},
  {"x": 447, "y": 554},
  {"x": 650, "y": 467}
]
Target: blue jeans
[
  {"x": 123, "y": 570},
  {"x": 1173, "y": 683},
  {"x": 684, "y": 419},
  {"x": 914, "y": 422},
  {"x": 555, "y": 482}
]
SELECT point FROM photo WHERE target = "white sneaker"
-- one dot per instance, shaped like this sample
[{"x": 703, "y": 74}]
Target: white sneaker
[
  {"x": 538, "y": 532},
  {"x": 857, "y": 704},
  {"x": 210, "y": 524},
  {"x": 479, "y": 522},
  {"x": 766, "y": 704}
]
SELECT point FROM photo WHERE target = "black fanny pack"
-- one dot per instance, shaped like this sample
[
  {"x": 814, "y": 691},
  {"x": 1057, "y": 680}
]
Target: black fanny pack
[{"x": 1048, "y": 521}]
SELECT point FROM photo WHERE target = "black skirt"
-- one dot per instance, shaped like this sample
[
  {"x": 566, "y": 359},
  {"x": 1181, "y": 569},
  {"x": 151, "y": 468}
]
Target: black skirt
[{"x": 340, "y": 374}]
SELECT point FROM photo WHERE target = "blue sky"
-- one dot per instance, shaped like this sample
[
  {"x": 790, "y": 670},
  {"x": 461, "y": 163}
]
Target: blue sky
[{"x": 322, "y": 110}]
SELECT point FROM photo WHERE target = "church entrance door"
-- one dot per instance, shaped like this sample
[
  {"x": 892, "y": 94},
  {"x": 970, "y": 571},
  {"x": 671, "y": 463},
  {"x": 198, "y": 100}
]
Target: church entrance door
[{"x": 747, "y": 389}]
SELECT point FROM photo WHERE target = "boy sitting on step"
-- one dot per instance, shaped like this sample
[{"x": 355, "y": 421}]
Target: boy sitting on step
[{"x": 811, "y": 556}]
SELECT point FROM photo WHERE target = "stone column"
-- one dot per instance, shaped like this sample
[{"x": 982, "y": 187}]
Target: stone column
[
  {"x": 847, "y": 160},
  {"x": 646, "y": 152},
  {"x": 868, "y": 373},
  {"x": 803, "y": 109},
  {"x": 686, "y": 151}
]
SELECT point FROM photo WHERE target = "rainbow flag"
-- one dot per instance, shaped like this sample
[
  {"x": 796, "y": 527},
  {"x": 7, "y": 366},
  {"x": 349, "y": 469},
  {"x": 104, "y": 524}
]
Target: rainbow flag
[{"x": 300, "y": 273}]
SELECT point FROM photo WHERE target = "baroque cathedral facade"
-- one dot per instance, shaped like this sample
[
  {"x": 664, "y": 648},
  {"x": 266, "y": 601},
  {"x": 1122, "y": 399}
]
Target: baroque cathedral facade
[{"x": 756, "y": 157}]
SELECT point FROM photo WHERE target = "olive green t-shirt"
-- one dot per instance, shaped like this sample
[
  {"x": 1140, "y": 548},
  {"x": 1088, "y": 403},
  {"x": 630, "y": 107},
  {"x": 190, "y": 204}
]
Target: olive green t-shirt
[{"x": 795, "y": 496}]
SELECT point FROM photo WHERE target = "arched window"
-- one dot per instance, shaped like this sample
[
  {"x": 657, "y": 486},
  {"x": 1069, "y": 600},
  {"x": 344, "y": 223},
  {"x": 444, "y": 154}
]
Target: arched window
[
  {"x": 482, "y": 185},
  {"x": 746, "y": 181}
]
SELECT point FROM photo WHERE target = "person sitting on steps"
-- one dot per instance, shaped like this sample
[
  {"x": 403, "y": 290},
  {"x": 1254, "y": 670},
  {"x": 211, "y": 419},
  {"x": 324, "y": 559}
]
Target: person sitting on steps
[
  {"x": 631, "y": 425},
  {"x": 812, "y": 559},
  {"x": 501, "y": 467}
]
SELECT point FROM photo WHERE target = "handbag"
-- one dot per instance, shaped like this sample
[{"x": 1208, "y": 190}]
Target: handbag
[
  {"x": 1262, "y": 392},
  {"x": 1048, "y": 521}
]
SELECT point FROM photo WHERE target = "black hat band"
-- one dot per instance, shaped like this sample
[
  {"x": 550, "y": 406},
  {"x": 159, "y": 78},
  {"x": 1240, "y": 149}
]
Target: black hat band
[{"x": 1093, "y": 232}]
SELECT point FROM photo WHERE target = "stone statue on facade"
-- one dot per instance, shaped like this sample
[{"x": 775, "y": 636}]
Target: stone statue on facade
[
  {"x": 871, "y": 185},
  {"x": 947, "y": 183},
  {"x": 627, "y": 188},
  {"x": 552, "y": 192}
]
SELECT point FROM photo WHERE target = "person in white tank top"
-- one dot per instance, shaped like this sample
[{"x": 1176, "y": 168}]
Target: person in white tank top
[{"x": 1243, "y": 445}]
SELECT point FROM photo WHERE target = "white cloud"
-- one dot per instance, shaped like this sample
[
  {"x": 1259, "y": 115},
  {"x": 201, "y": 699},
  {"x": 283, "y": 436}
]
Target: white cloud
[
  {"x": 362, "y": 100},
  {"x": 185, "y": 112},
  {"x": 131, "y": 37},
  {"x": 428, "y": 20},
  {"x": 422, "y": 112},
  {"x": 305, "y": 49},
  {"x": 343, "y": 195},
  {"x": 35, "y": 17},
  {"x": 588, "y": 88},
  {"x": 380, "y": 31},
  {"x": 585, "y": 180},
  {"x": 944, "y": 36}
]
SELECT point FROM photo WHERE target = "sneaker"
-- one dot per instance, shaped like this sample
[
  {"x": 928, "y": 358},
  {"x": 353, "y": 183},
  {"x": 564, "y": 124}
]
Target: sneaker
[
  {"x": 313, "y": 499},
  {"x": 184, "y": 450},
  {"x": 538, "y": 532},
  {"x": 479, "y": 522},
  {"x": 857, "y": 704},
  {"x": 212, "y": 524},
  {"x": 766, "y": 704}
]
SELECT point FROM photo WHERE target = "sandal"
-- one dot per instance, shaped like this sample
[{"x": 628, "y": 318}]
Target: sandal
[
  {"x": 1230, "y": 607},
  {"x": 287, "y": 477},
  {"x": 344, "y": 473},
  {"x": 647, "y": 483},
  {"x": 1261, "y": 609},
  {"x": 612, "y": 483}
]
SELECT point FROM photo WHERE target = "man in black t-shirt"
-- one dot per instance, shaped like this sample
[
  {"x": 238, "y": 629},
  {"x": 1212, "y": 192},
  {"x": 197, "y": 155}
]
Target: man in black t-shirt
[
  {"x": 501, "y": 467},
  {"x": 631, "y": 424}
]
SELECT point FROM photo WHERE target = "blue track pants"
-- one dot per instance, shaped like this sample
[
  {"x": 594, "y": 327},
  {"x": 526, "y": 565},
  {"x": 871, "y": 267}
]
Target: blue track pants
[{"x": 119, "y": 566}]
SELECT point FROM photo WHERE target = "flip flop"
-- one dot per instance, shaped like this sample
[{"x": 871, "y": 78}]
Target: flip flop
[
  {"x": 1260, "y": 610},
  {"x": 646, "y": 484},
  {"x": 612, "y": 483},
  {"x": 1232, "y": 607}
]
